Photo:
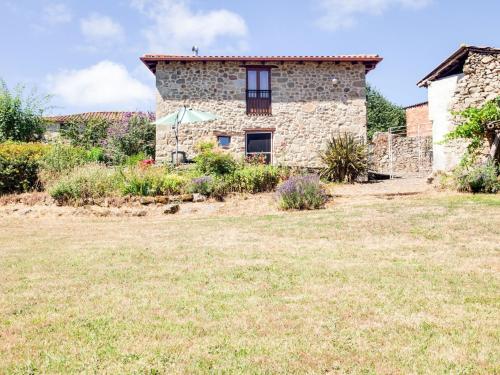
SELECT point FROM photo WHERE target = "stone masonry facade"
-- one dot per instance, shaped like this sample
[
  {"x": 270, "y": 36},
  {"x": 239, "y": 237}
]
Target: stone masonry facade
[
  {"x": 417, "y": 121},
  {"x": 310, "y": 102},
  {"x": 479, "y": 84},
  {"x": 410, "y": 155}
]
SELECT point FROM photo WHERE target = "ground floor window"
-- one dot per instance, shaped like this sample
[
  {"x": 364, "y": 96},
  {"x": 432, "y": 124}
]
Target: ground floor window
[
  {"x": 259, "y": 144},
  {"x": 223, "y": 141}
]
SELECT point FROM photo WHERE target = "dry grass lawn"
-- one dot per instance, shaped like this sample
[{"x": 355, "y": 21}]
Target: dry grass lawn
[{"x": 409, "y": 285}]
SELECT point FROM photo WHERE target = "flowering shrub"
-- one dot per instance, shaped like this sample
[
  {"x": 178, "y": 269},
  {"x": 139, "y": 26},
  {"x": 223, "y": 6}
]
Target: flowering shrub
[
  {"x": 136, "y": 134},
  {"x": 478, "y": 178},
  {"x": 202, "y": 185},
  {"x": 301, "y": 193}
]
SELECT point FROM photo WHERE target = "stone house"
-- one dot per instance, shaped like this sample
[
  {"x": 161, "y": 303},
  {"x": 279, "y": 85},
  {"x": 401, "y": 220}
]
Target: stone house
[
  {"x": 469, "y": 77},
  {"x": 417, "y": 120},
  {"x": 283, "y": 107}
]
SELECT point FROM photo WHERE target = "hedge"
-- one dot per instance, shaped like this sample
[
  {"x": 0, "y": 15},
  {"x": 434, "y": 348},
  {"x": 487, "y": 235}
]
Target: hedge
[{"x": 19, "y": 164}]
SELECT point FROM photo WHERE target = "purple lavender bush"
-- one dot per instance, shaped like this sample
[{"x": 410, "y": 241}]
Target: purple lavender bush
[
  {"x": 301, "y": 193},
  {"x": 202, "y": 185}
]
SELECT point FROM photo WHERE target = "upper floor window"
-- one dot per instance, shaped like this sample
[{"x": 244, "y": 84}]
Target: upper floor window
[{"x": 258, "y": 91}]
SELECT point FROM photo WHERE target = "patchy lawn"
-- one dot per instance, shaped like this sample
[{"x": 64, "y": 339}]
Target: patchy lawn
[{"x": 409, "y": 285}]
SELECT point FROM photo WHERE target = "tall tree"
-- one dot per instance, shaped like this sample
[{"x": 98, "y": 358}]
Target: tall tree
[
  {"x": 381, "y": 113},
  {"x": 21, "y": 115}
]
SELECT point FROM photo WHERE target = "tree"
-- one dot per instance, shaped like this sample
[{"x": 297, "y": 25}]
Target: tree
[
  {"x": 381, "y": 113},
  {"x": 21, "y": 116},
  {"x": 86, "y": 133}
]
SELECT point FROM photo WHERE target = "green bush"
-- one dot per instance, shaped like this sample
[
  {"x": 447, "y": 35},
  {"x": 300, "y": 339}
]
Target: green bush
[
  {"x": 87, "y": 181},
  {"x": 151, "y": 181},
  {"x": 254, "y": 178},
  {"x": 135, "y": 135},
  {"x": 483, "y": 178},
  {"x": 86, "y": 133},
  {"x": 134, "y": 160},
  {"x": 202, "y": 185},
  {"x": 21, "y": 116},
  {"x": 211, "y": 161},
  {"x": 63, "y": 158},
  {"x": 19, "y": 166},
  {"x": 301, "y": 193},
  {"x": 344, "y": 159}
]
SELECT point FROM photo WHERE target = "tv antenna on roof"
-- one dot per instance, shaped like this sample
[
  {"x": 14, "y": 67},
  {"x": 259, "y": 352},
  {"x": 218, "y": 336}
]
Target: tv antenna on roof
[{"x": 195, "y": 50}]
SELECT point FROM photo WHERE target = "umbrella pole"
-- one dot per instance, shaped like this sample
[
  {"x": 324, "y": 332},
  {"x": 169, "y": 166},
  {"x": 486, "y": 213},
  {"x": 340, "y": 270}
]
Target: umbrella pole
[{"x": 177, "y": 144}]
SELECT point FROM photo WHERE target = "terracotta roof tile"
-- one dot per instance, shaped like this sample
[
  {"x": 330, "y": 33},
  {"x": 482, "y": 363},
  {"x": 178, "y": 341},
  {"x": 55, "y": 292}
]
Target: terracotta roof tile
[
  {"x": 110, "y": 116},
  {"x": 370, "y": 61}
]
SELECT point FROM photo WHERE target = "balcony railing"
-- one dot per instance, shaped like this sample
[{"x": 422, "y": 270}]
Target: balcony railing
[{"x": 259, "y": 102}]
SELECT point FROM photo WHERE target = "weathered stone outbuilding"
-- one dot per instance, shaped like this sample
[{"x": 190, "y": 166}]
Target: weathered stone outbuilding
[
  {"x": 468, "y": 78},
  {"x": 283, "y": 107}
]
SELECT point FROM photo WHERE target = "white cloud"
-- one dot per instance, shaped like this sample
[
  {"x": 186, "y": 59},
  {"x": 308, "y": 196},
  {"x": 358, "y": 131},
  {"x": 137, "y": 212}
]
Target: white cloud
[
  {"x": 99, "y": 28},
  {"x": 56, "y": 13},
  {"x": 342, "y": 13},
  {"x": 176, "y": 27},
  {"x": 106, "y": 85}
]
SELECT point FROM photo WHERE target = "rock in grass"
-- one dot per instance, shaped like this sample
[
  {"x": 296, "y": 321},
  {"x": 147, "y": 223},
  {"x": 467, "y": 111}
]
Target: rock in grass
[
  {"x": 171, "y": 209},
  {"x": 197, "y": 197},
  {"x": 147, "y": 200}
]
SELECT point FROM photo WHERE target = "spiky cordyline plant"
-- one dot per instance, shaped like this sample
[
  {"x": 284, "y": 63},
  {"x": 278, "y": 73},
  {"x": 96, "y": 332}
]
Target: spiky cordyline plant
[{"x": 345, "y": 158}]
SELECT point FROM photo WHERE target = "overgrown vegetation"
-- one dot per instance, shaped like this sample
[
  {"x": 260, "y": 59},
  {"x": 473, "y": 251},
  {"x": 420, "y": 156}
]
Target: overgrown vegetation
[
  {"x": 135, "y": 135},
  {"x": 213, "y": 161},
  {"x": 345, "y": 158},
  {"x": 88, "y": 181},
  {"x": 21, "y": 114},
  {"x": 478, "y": 178},
  {"x": 301, "y": 193},
  {"x": 381, "y": 113},
  {"x": 19, "y": 166},
  {"x": 473, "y": 174},
  {"x": 472, "y": 127}
]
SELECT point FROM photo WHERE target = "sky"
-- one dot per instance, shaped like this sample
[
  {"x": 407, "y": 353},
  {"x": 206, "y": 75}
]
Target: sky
[{"x": 86, "y": 53}]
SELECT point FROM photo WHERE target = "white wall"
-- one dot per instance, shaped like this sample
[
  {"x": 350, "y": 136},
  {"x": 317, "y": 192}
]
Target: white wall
[{"x": 440, "y": 94}]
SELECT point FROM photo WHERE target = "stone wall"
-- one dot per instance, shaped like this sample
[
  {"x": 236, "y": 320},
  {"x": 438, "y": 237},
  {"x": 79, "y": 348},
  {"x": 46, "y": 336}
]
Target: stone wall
[
  {"x": 410, "y": 155},
  {"x": 307, "y": 107},
  {"x": 417, "y": 121},
  {"x": 480, "y": 83}
]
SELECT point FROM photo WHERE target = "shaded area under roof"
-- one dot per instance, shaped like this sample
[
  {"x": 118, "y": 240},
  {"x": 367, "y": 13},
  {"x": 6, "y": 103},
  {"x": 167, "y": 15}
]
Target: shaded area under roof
[
  {"x": 455, "y": 63},
  {"x": 370, "y": 61}
]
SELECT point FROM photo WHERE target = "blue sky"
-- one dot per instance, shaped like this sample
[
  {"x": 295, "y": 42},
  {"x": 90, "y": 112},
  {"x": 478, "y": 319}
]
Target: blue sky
[{"x": 86, "y": 53}]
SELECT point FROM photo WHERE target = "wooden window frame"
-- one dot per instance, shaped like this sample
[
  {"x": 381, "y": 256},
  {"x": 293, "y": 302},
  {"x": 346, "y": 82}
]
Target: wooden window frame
[
  {"x": 266, "y": 110},
  {"x": 259, "y": 131},
  {"x": 224, "y": 136}
]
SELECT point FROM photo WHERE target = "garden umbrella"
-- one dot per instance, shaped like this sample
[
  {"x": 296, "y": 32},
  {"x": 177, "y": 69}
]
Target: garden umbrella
[{"x": 183, "y": 116}]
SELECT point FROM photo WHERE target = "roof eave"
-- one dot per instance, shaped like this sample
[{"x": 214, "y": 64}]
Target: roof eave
[
  {"x": 370, "y": 62},
  {"x": 461, "y": 52}
]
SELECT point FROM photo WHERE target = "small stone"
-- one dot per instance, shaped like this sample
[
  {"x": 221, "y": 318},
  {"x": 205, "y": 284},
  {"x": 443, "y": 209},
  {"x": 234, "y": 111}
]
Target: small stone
[
  {"x": 171, "y": 209},
  {"x": 197, "y": 197},
  {"x": 430, "y": 179},
  {"x": 147, "y": 200},
  {"x": 162, "y": 199},
  {"x": 139, "y": 213}
]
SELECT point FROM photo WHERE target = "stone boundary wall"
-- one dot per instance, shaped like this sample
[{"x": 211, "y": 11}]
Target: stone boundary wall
[{"x": 410, "y": 154}]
